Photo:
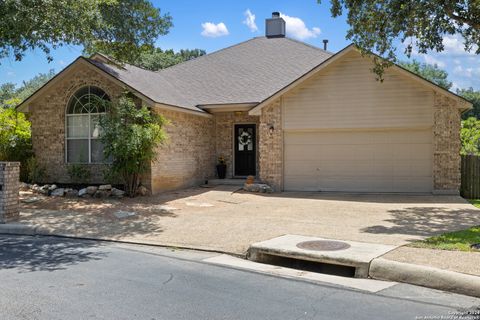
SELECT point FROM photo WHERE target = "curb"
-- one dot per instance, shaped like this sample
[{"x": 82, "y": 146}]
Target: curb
[
  {"x": 18, "y": 229},
  {"x": 29, "y": 230},
  {"x": 383, "y": 269}
]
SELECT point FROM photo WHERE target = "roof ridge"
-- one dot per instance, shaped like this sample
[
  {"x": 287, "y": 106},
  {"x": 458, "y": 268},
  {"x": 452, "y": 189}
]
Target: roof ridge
[
  {"x": 207, "y": 55},
  {"x": 309, "y": 45}
]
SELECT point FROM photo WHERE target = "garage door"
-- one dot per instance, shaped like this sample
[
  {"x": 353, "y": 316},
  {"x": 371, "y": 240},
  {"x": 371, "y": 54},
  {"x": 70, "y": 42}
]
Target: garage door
[{"x": 359, "y": 161}]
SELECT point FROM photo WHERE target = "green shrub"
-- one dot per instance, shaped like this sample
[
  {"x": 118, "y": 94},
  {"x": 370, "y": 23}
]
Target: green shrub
[
  {"x": 130, "y": 135},
  {"x": 78, "y": 173},
  {"x": 36, "y": 172}
]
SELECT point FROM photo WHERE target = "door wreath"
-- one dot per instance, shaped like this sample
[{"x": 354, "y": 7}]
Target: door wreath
[{"x": 245, "y": 138}]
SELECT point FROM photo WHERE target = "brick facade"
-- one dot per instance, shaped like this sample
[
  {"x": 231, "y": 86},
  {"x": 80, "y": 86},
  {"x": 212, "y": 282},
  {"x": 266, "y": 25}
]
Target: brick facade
[
  {"x": 9, "y": 185},
  {"x": 224, "y": 136},
  {"x": 47, "y": 115},
  {"x": 187, "y": 158},
  {"x": 446, "y": 144},
  {"x": 271, "y": 146}
]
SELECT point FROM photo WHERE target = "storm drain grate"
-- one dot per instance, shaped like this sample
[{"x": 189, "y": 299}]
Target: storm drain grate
[{"x": 323, "y": 245}]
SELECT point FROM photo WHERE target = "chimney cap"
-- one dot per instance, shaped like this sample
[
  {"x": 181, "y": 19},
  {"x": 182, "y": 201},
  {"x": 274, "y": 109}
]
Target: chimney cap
[{"x": 275, "y": 14}]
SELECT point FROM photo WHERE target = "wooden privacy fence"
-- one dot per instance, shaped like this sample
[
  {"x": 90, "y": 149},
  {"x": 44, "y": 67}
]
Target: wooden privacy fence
[{"x": 470, "y": 188}]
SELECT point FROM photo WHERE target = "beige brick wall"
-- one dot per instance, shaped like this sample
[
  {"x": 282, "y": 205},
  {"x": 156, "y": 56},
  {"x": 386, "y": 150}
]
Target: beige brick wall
[
  {"x": 9, "y": 185},
  {"x": 271, "y": 146},
  {"x": 47, "y": 115},
  {"x": 187, "y": 158},
  {"x": 446, "y": 144},
  {"x": 224, "y": 136}
]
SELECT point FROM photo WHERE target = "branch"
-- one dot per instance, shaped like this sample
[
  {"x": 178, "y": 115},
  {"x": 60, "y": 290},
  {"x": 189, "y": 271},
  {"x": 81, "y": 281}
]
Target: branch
[{"x": 471, "y": 22}]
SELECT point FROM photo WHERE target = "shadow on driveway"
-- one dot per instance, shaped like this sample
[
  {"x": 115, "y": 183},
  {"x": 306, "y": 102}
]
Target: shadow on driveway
[
  {"x": 29, "y": 254},
  {"x": 427, "y": 221}
]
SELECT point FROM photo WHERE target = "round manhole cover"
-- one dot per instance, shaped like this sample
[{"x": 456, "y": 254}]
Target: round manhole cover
[{"x": 323, "y": 245}]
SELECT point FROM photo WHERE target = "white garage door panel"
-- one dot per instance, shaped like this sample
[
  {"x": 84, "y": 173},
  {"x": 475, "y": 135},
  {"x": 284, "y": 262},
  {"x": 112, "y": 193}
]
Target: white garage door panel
[{"x": 366, "y": 161}]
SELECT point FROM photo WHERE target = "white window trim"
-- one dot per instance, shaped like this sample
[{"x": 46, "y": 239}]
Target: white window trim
[{"x": 88, "y": 138}]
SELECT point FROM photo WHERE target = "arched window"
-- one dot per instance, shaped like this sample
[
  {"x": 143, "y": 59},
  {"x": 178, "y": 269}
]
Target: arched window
[{"x": 82, "y": 116}]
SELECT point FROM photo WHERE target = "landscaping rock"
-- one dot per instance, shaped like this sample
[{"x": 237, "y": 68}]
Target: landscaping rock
[
  {"x": 52, "y": 187},
  {"x": 124, "y": 214},
  {"x": 117, "y": 193},
  {"x": 91, "y": 190},
  {"x": 43, "y": 189},
  {"x": 60, "y": 192},
  {"x": 142, "y": 191},
  {"x": 83, "y": 193},
  {"x": 258, "y": 187},
  {"x": 71, "y": 193},
  {"x": 24, "y": 186},
  {"x": 102, "y": 194},
  {"x": 107, "y": 187},
  {"x": 30, "y": 200},
  {"x": 163, "y": 208}
]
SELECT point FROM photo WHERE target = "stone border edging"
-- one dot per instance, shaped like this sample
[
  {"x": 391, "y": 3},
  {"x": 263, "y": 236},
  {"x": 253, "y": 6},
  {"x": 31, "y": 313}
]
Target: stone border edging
[{"x": 384, "y": 269}]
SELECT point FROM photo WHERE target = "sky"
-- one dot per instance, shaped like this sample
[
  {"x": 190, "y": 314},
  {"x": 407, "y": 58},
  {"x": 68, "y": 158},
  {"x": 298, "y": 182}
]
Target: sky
[{"x": 214, "y": 24}]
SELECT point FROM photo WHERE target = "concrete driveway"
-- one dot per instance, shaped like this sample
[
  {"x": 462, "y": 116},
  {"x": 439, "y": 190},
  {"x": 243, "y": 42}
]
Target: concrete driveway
[{"x": 221, "y": 219}]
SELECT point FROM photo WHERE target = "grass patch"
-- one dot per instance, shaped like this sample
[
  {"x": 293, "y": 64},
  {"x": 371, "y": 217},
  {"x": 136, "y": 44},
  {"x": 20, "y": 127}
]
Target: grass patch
[
  {"x": 457, "y": 240},
  {"x": 475, "y": 202}
]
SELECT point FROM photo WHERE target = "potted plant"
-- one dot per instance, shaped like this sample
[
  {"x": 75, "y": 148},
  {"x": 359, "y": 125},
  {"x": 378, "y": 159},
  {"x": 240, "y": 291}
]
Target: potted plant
[{"x": 221, "y": 168}]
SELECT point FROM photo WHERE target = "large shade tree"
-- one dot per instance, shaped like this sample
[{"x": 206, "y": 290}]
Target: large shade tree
[
  {"x": 430, "y": 72},
  {"x": 377, "y": 25},
  {"x": 122, "y": 27}
]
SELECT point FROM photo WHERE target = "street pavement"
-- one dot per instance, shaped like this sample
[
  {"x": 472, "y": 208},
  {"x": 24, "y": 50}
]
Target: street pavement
[{"x": 61, "y": 278}]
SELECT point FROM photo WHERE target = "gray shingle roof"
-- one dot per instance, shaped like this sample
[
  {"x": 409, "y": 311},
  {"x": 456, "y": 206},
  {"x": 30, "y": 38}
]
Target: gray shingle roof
[{"x": 248, "y": 72}]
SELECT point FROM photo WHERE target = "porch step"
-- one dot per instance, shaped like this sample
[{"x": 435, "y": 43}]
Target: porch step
[
  {"x": 347, "y": 258},
  {"x": 228, "y": 182}
]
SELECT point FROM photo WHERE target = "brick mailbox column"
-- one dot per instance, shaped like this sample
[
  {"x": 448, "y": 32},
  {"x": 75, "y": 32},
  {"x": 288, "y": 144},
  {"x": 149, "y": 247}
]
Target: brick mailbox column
[{"x": 9, "y": 184}]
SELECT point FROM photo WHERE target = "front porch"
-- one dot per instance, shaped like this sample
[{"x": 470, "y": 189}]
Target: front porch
[{"x": 237, "y": 141}]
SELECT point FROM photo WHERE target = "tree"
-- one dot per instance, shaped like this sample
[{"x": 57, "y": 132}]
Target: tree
[
  {"x": 430, "y": 72},
  {"x": 123, "y": 27},
  {"x": 130, "y": 135},
  {"x": 474, "y": 97},
  {"x": 470, "y": 136},
  {"x": 15, "y": 138},
  {"x": 158, "y": 59},
  {"x": 10, "y": 96},
  {"x": 375, "y": 25}
]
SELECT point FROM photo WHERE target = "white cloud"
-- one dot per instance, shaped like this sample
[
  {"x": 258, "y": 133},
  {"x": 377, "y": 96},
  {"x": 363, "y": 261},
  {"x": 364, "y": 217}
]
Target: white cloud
[
  {"x": 213, "y": 30},
  {"x": 250, "y": 21},
  {"x": 61, "y": 62},
  {"x": 297, "y": 28},
  {"x": 432, "y": 60},
  {"x": 467, "y": 72},
  {"x": 454, "y": 87}
]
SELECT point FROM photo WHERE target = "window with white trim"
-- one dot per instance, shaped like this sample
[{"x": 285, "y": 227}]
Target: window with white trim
[{"x": 83, "y": 112}]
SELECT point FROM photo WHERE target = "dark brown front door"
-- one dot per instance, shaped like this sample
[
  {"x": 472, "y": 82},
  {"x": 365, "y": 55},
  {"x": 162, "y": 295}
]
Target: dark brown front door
[{"x": 245, "y": 153}]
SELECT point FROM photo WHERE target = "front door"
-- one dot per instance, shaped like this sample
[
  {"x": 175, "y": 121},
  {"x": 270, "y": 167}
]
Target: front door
[{"x": 245, "y": 153}]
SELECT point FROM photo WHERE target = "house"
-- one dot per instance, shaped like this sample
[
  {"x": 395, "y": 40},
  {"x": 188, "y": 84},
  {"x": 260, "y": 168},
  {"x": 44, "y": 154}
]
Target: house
[{"x": 295, "y": 116}]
